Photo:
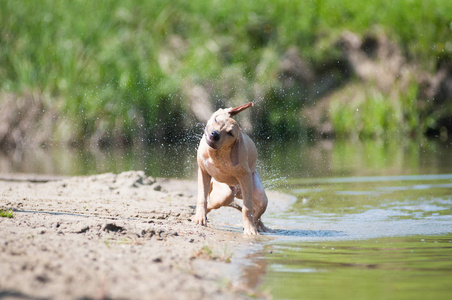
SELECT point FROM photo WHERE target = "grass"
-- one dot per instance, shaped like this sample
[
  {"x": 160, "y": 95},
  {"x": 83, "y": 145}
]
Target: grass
[
  {"x": 380, "y": 115},
  {"x": 6, "y": 213},
  {"x": 123, "y": 67}
]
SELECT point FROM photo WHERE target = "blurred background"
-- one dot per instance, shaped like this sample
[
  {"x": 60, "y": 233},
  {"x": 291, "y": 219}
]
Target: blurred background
[{"x": 107, "y": 86}]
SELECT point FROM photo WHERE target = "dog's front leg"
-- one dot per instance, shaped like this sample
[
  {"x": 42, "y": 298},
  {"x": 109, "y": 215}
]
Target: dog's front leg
[
  {"x": 203, "y": 190},
  {"x": 246, "y": 184}
]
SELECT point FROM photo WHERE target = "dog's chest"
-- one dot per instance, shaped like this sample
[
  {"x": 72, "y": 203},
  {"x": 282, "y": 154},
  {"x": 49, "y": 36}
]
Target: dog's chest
[
  {"x": 212, "y": 168},
  {"x": 221, "y": 172}
]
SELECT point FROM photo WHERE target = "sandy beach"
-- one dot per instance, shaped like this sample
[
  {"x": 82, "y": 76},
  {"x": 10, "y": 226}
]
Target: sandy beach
[{"x": 125, "y": 236}]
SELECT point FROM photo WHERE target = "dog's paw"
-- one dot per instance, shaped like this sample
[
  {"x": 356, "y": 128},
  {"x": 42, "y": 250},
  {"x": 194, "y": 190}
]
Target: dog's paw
[
  {"x": 200, "y": 219},
  {"x": 250, "y": 230},
  {"x": 262, "y": 228}
]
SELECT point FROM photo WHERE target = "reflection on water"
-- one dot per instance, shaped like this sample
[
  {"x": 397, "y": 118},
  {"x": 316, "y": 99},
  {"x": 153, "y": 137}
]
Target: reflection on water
[
  {"x": 347, "y": 159},
  {"x": 277, "y": 161},
  {"x": 385, "y": 268},
  {"x": 159, "y": 161}
]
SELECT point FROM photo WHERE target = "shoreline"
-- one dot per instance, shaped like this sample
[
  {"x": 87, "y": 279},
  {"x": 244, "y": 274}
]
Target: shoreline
[{"x": 114, "y": 236}]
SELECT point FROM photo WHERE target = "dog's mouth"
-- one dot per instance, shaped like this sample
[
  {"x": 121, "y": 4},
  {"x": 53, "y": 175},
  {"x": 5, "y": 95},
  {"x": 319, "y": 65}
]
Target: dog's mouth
[{"x": 210, "y": 142}]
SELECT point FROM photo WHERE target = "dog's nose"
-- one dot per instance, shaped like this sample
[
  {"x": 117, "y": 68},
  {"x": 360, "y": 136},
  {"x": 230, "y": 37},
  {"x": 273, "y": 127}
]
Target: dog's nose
[{"x": 215, "y": 135}]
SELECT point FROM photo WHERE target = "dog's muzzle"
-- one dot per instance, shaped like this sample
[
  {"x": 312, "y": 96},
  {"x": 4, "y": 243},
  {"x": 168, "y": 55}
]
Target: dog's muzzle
[
  {"x": 215, "y": 136},
  {"x": 212, "y": 138}
]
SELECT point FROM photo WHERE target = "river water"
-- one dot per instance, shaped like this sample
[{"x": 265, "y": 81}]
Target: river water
[
  {"x": 379, "y": 237},
  {"x": 372, "y": 220}
]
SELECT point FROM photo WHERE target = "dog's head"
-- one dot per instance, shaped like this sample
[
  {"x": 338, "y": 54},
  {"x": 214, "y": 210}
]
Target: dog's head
[{"x": 222, "y": 130}]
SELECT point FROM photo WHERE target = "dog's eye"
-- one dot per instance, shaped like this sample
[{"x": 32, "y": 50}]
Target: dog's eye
[{"x": 230, "y": 133}]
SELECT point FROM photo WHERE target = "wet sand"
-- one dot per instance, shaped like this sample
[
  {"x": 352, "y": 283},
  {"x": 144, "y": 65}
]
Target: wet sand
[{"x": 123, "y": 236}]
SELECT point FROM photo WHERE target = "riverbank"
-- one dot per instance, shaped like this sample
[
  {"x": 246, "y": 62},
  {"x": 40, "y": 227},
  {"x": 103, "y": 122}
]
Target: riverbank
[
  {"x": 123, "y": 236},
  {"x": 133, "y": 74}
]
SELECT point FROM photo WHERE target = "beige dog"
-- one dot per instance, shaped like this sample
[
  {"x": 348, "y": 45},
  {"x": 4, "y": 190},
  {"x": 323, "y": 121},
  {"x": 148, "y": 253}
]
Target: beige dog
[{"x": 226, "y": 169}]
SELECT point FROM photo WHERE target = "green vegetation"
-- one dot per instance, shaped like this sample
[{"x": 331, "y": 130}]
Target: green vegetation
[
  {"x": 6, "y": 213},
  {"x": 124, "y": 68},
  {"x": 379, "y": 115}
]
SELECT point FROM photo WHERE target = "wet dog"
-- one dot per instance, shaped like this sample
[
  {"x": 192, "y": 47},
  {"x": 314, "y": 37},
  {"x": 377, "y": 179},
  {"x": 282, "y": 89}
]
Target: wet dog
[{"x": 227, "y": 160}]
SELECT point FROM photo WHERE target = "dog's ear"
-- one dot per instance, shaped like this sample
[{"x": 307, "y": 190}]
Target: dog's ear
[
  {"x": 235, "y": 153},
  {"x": 236, "y": 110}
]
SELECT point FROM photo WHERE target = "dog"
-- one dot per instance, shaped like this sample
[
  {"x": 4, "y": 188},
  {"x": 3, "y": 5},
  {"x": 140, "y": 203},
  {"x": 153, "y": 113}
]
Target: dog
[{"x": 227, "y": 160}]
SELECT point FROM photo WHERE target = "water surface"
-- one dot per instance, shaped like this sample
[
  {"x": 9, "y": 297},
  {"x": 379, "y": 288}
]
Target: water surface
[
  {"x": 375, "y": 224},
  {"x": 405, "y": 267}
]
